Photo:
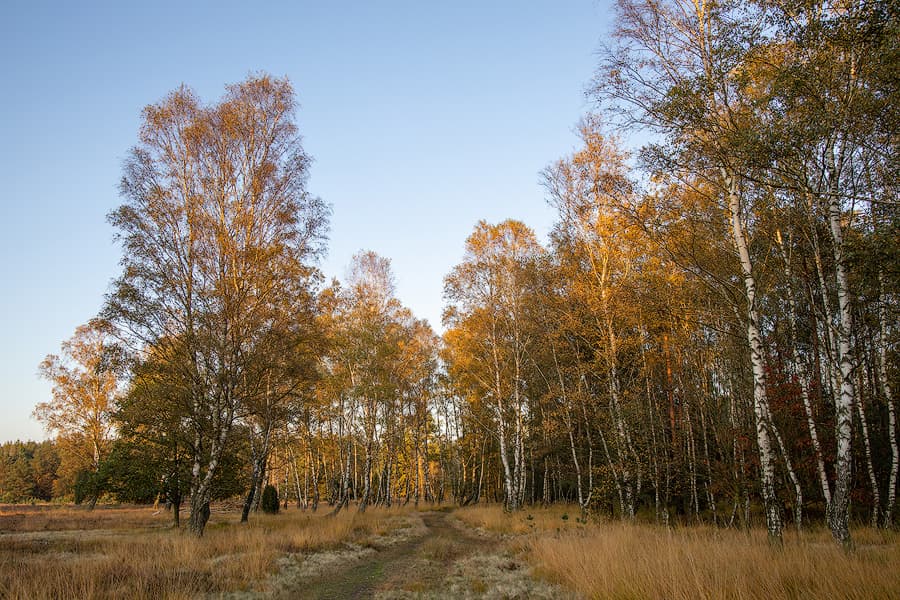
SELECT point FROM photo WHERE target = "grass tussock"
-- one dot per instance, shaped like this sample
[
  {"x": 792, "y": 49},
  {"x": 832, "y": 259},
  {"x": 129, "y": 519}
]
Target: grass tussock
[
  {"x": 440, "y": 549},
  {"x": 139, "y": 557},
  {"x": 616, "y": 560}
]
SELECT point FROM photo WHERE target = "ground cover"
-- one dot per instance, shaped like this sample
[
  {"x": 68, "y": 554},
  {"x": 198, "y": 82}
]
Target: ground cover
[
  {"x": 610, "y": 559},
  {"x": 472, "y": 552},
  {"x": 132, "y": 552}
]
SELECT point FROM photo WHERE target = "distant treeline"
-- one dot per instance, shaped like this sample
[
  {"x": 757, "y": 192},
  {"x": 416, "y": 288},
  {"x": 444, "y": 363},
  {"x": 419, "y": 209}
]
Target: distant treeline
[
  {"x": 53, "y": 470},
  {"x": 29, "y": 471}
]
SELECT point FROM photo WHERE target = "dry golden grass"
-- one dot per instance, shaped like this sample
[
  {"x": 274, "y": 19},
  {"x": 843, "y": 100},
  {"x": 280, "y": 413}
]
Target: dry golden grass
[
  {"x": 492, "y": 518},
  {"x": 614, "y": 560},
  {"x": 50, "y": 517},
  {"x": 129, "y": 553}
]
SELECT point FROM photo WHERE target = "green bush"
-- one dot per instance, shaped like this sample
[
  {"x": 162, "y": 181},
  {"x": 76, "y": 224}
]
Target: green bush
[{"x": 270, "y": 500}]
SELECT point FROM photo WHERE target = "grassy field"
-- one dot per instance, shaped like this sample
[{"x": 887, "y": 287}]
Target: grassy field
[
  {"x": 132, "y": 552},
  {"x": 120, "y": 552},
  {"x": 615, "y": 560}
]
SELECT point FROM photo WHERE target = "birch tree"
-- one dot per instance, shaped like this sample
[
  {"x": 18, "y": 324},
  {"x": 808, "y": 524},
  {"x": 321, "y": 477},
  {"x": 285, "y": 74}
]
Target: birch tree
[
  {"x": 675, "y": 69},
  {"x": 218, "y": 233},
  {"x": 489, "y": 336},
  {"x": 588, "y": 191},
  {"x": 85, "y": 386}
]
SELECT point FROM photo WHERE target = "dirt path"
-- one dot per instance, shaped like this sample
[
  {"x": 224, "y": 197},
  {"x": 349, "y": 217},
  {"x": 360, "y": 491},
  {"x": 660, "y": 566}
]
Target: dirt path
[{"x": 448, "y": 560}]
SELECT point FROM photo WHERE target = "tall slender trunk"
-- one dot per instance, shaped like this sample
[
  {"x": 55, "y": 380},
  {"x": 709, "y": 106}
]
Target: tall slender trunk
[
  {"x": 870, "y": 467},
  {"x": 344, "y": 497},
  {"x": 589, "y": 440},
  {"x": 828, "y": 367},
  {"x": 426, "y": 471},
  {"x": 615, "y": 475},
  {"x": 798, "y": 489},
  {"x": 760, "y": 398},
  {"x": 507, "y": 473},
  {"x": 520, "y": 469},
  {"x": 315, "y": 482},
  {"x": 691, "y": 454},
  {"x": 651, "y": 414},
  {"x": 260, "y": 457},
  {"x": 839, "y": 515},
  {"x": 623, "y": 437},
  {"x": 575, "y": 462},
  {"x": 367, "y": 479},
  {"x": 709, "y": 474},
  {"x": 798, "y": 372},
  {"x": 889, "y": 399},
  {"x": 480, "y": 474},
  {"x": 302, "y": 493},
  {"x": 388, "y": 481},
  {"x": 418, "y": 469}
]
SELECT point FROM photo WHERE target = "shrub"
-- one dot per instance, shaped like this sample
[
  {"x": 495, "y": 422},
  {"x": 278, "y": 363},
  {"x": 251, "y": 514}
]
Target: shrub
[
  {"x": 88, "y": 487},
  {"x": 270, "y": 500}
]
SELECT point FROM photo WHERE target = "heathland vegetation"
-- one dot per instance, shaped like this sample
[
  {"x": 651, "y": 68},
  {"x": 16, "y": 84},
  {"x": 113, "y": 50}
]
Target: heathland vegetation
[{"x": 706, "y": 344}]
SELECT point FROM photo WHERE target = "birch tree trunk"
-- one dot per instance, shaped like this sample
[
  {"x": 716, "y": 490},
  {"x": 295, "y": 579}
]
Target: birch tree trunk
[
  {"x": 889, "y": 399},
  {"x": 867, "y": 447},
  {"x": 509, "y": 488},
  {"x": 798, "y": 372},
  {"x": 260, "y": 456},
  {"x": 798, "y": 489},
  {"x": 839, "y": 515},
  {"x": 201, "y": 487},
  {"x": 367, "y": 477},
  {"x": 760, "y": 398}
]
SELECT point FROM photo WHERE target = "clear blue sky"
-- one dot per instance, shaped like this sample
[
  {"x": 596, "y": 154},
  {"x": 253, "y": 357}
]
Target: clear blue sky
[{"x": 423, "y": 117}]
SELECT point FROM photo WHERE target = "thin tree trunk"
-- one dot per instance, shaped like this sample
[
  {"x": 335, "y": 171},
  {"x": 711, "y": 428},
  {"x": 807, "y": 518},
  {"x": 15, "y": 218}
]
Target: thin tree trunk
[
  {"x": 760, "y": 398},
  {"x": 889, "y": 399},
  {"x": 367, "y": 478},
  {"x": 709, "y": 474},
  {"x": 839, "y": 515},
  {"x": 691, "y": 455},
  {"x": 654, "y": 449},
  {"x": 612, "y": 468},
  {"x": 798, "y": 489},
  {"x": 256, "y": 478},
  {"x": 315, "y": 482},
  {"x": 302, "y": 493},
  {"x": 344, "y": 498},
  {"x": 870, "y": 467},
  {"x": 622, "y": 435},
  {"x": 798, "y": 372}
]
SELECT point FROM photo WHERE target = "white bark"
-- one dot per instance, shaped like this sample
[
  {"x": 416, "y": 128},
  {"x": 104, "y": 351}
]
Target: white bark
[
  {"x": 889, "y": 399},
  {"x": 760, "y": 398},
  {"x": 623, "y": 437},
  {"x": 867, "y": 447},
  {"x": 509, "y": 488},
  {"x": 798, "y": 372},
  {"x": 839, "y": 515},
  {"x": 798, "y": 489}
]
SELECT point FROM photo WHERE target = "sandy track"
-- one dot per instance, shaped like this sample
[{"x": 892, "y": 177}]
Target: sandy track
[{"x": 445, "y": 560}]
